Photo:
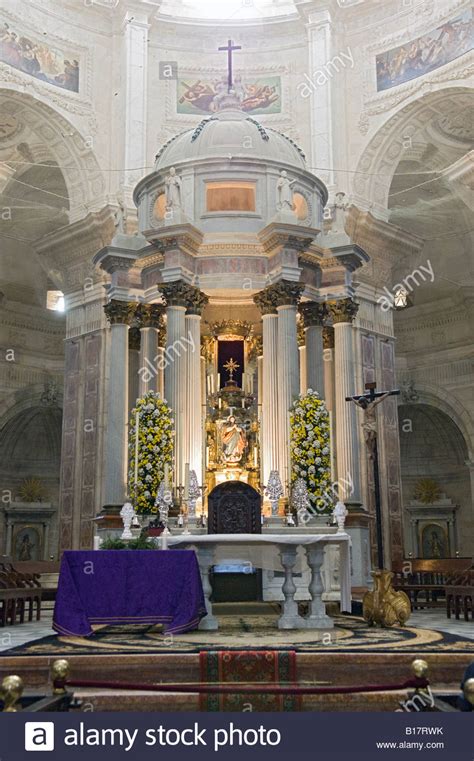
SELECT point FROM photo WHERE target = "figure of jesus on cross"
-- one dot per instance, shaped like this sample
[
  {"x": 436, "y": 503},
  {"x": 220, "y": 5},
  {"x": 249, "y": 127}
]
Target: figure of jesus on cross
[{"x": 368, "y": 402}]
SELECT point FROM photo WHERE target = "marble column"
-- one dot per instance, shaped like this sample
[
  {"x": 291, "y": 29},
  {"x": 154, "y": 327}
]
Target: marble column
[
  {"x": 283, "y": 297},
  {"x": 133, "y": 368},
  {"x": 269, "y": 385},
  {"x": 151, "y": 359},
  {"x": 260, "y": 365},
  {"x": 329, "y": 385},
  {"x": 194, "y": 433},
  {"x": 314, "y": 316},
  {"x": 181, "y": 337},
  {"x": 343, "y": 312},
  {"x": 303, "y": 368},
  {"x": 288, "y": 295},
  {"x": 328, "y": 366},
  {"x": 116, "y": 463}
]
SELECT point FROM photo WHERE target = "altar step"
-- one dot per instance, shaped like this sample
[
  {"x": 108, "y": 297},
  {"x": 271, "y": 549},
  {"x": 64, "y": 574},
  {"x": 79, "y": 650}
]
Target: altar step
[
  {"x": 323, "y": 669},
  {"x": 122, "y": 700}
]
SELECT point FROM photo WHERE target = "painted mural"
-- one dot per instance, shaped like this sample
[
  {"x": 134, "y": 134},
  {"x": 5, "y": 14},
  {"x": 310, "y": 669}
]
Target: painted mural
[
  {"x": 201, "y": 96},
  {"x": 38, "y": 58},
  {"x": 428, "y": 52}
]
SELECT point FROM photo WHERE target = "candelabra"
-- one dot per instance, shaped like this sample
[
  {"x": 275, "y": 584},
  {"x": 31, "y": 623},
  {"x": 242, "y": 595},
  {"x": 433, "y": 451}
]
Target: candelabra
[
  {"x": 299, "y": 496},
  {"x": 274, "y": 490},
  {"x": 163, "y": 501},
  {"x": 127, "y": 513}
]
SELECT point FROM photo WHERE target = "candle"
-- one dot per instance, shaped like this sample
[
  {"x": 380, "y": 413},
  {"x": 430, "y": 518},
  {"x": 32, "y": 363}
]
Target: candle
[
  {"x": 211, "y": 382},
  {"x": 218, "y": 381},
  {"x": 220, "y": 403},
  {"x": 167, "y": 476},
  {"x": 243, "y": 403},
  {"x": 255, "y": 455},
  {"x": 164, "y": 541},
  {"x": 137, "y": 425},
  {"x": 186, "y": 482}
]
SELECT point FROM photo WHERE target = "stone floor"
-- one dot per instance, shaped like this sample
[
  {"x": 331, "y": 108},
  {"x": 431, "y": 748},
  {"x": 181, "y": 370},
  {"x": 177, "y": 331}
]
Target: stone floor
[
  {"x": 437, "y": 619},
  {"x": 14, "y": 636}
]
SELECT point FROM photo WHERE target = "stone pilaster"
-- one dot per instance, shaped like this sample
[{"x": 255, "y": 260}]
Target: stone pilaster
[
  {"x": 119, "y": 314},
  {"x": 343, "y": 312},
  {"x": 314, "y": 316}
]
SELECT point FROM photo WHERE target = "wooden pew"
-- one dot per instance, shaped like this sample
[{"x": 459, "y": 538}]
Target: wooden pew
[
  {"x": 16, "y": 590},
  {"x": 424, "y": 581}
]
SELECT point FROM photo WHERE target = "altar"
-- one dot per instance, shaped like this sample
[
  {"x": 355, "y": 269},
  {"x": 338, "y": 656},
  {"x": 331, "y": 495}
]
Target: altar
[{"x": 291, "y": 553}]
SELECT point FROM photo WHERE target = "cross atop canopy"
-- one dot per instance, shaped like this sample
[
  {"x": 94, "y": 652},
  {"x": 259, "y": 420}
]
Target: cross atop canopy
[{"x": 230, "y": 47}]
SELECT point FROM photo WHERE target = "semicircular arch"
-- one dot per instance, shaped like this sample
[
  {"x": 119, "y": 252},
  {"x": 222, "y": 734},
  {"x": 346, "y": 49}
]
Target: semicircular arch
[
  {"x": 381, "y": 156},
  {"x": 69, "y": 149}
]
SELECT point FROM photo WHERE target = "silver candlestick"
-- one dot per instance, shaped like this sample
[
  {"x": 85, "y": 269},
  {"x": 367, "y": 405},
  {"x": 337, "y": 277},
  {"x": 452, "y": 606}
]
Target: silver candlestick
[{"x": 274, "y": 490}]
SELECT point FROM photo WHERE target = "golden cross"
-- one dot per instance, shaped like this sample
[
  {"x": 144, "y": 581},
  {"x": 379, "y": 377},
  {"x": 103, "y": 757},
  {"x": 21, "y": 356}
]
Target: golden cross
[{"x": 231, "y": 366}]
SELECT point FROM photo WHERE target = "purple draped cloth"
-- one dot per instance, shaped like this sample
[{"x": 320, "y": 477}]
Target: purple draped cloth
[{"x": 128, "y": 587}]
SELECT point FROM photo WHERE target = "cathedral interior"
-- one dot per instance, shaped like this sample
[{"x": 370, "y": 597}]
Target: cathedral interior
[{"x": 226, "y": 205}]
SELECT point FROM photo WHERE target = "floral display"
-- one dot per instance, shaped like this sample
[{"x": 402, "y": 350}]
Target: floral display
[
  {"x": 155, "y": 449},
  {"x": 310, "y": 447}
]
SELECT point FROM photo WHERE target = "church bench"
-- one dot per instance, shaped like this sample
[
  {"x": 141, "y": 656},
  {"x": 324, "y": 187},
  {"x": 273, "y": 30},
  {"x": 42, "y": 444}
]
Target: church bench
[
  {"x": 425, "y": 581},
  {"x": 16, "y": 590},
  {"x": 460, "y": 595}
]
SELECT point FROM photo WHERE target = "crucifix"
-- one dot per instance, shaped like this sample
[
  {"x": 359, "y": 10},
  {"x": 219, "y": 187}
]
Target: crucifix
[
  {"x": 368, "y": 402},
  {"x": 230, "y": 47}
]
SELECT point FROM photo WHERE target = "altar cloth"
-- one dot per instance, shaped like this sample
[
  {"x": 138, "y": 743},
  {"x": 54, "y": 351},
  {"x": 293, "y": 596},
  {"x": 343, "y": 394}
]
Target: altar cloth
[{"x": 128, "y": 587}]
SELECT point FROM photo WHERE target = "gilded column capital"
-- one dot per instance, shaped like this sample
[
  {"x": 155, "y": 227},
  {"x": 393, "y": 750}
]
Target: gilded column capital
[
  {"x": 265, "y": 302},
  {"x": 313, "y": 313},
  {"x": 181, "y": 294},
  {"x": 287, "y": 293},
  {"x": 328, "y": 337},
  {"x": 282, "y": 293},
  {"x": 197, "y": 301},
  {"x": 119, "y": 312},
  {"x": 150, "y": 315},
  {"x": 344, "y": 310}
]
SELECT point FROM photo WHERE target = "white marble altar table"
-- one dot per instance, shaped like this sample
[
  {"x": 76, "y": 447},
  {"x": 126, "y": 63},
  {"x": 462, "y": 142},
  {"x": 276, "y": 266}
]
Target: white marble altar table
[{"x": 285, "y": 554}]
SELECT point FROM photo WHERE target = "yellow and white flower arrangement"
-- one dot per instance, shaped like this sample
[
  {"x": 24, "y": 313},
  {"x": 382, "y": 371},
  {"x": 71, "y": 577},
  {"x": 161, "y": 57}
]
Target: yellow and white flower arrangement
[
  {"x": 310, "y": 447},
  {"x": 155, "y": 449}
]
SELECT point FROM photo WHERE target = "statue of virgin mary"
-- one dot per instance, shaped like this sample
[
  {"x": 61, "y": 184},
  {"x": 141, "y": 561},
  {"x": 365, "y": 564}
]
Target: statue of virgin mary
[{"x": 234, "y": 441}]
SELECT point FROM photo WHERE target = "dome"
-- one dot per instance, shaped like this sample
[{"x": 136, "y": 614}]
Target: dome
[{"x": 230, "y": 133}]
